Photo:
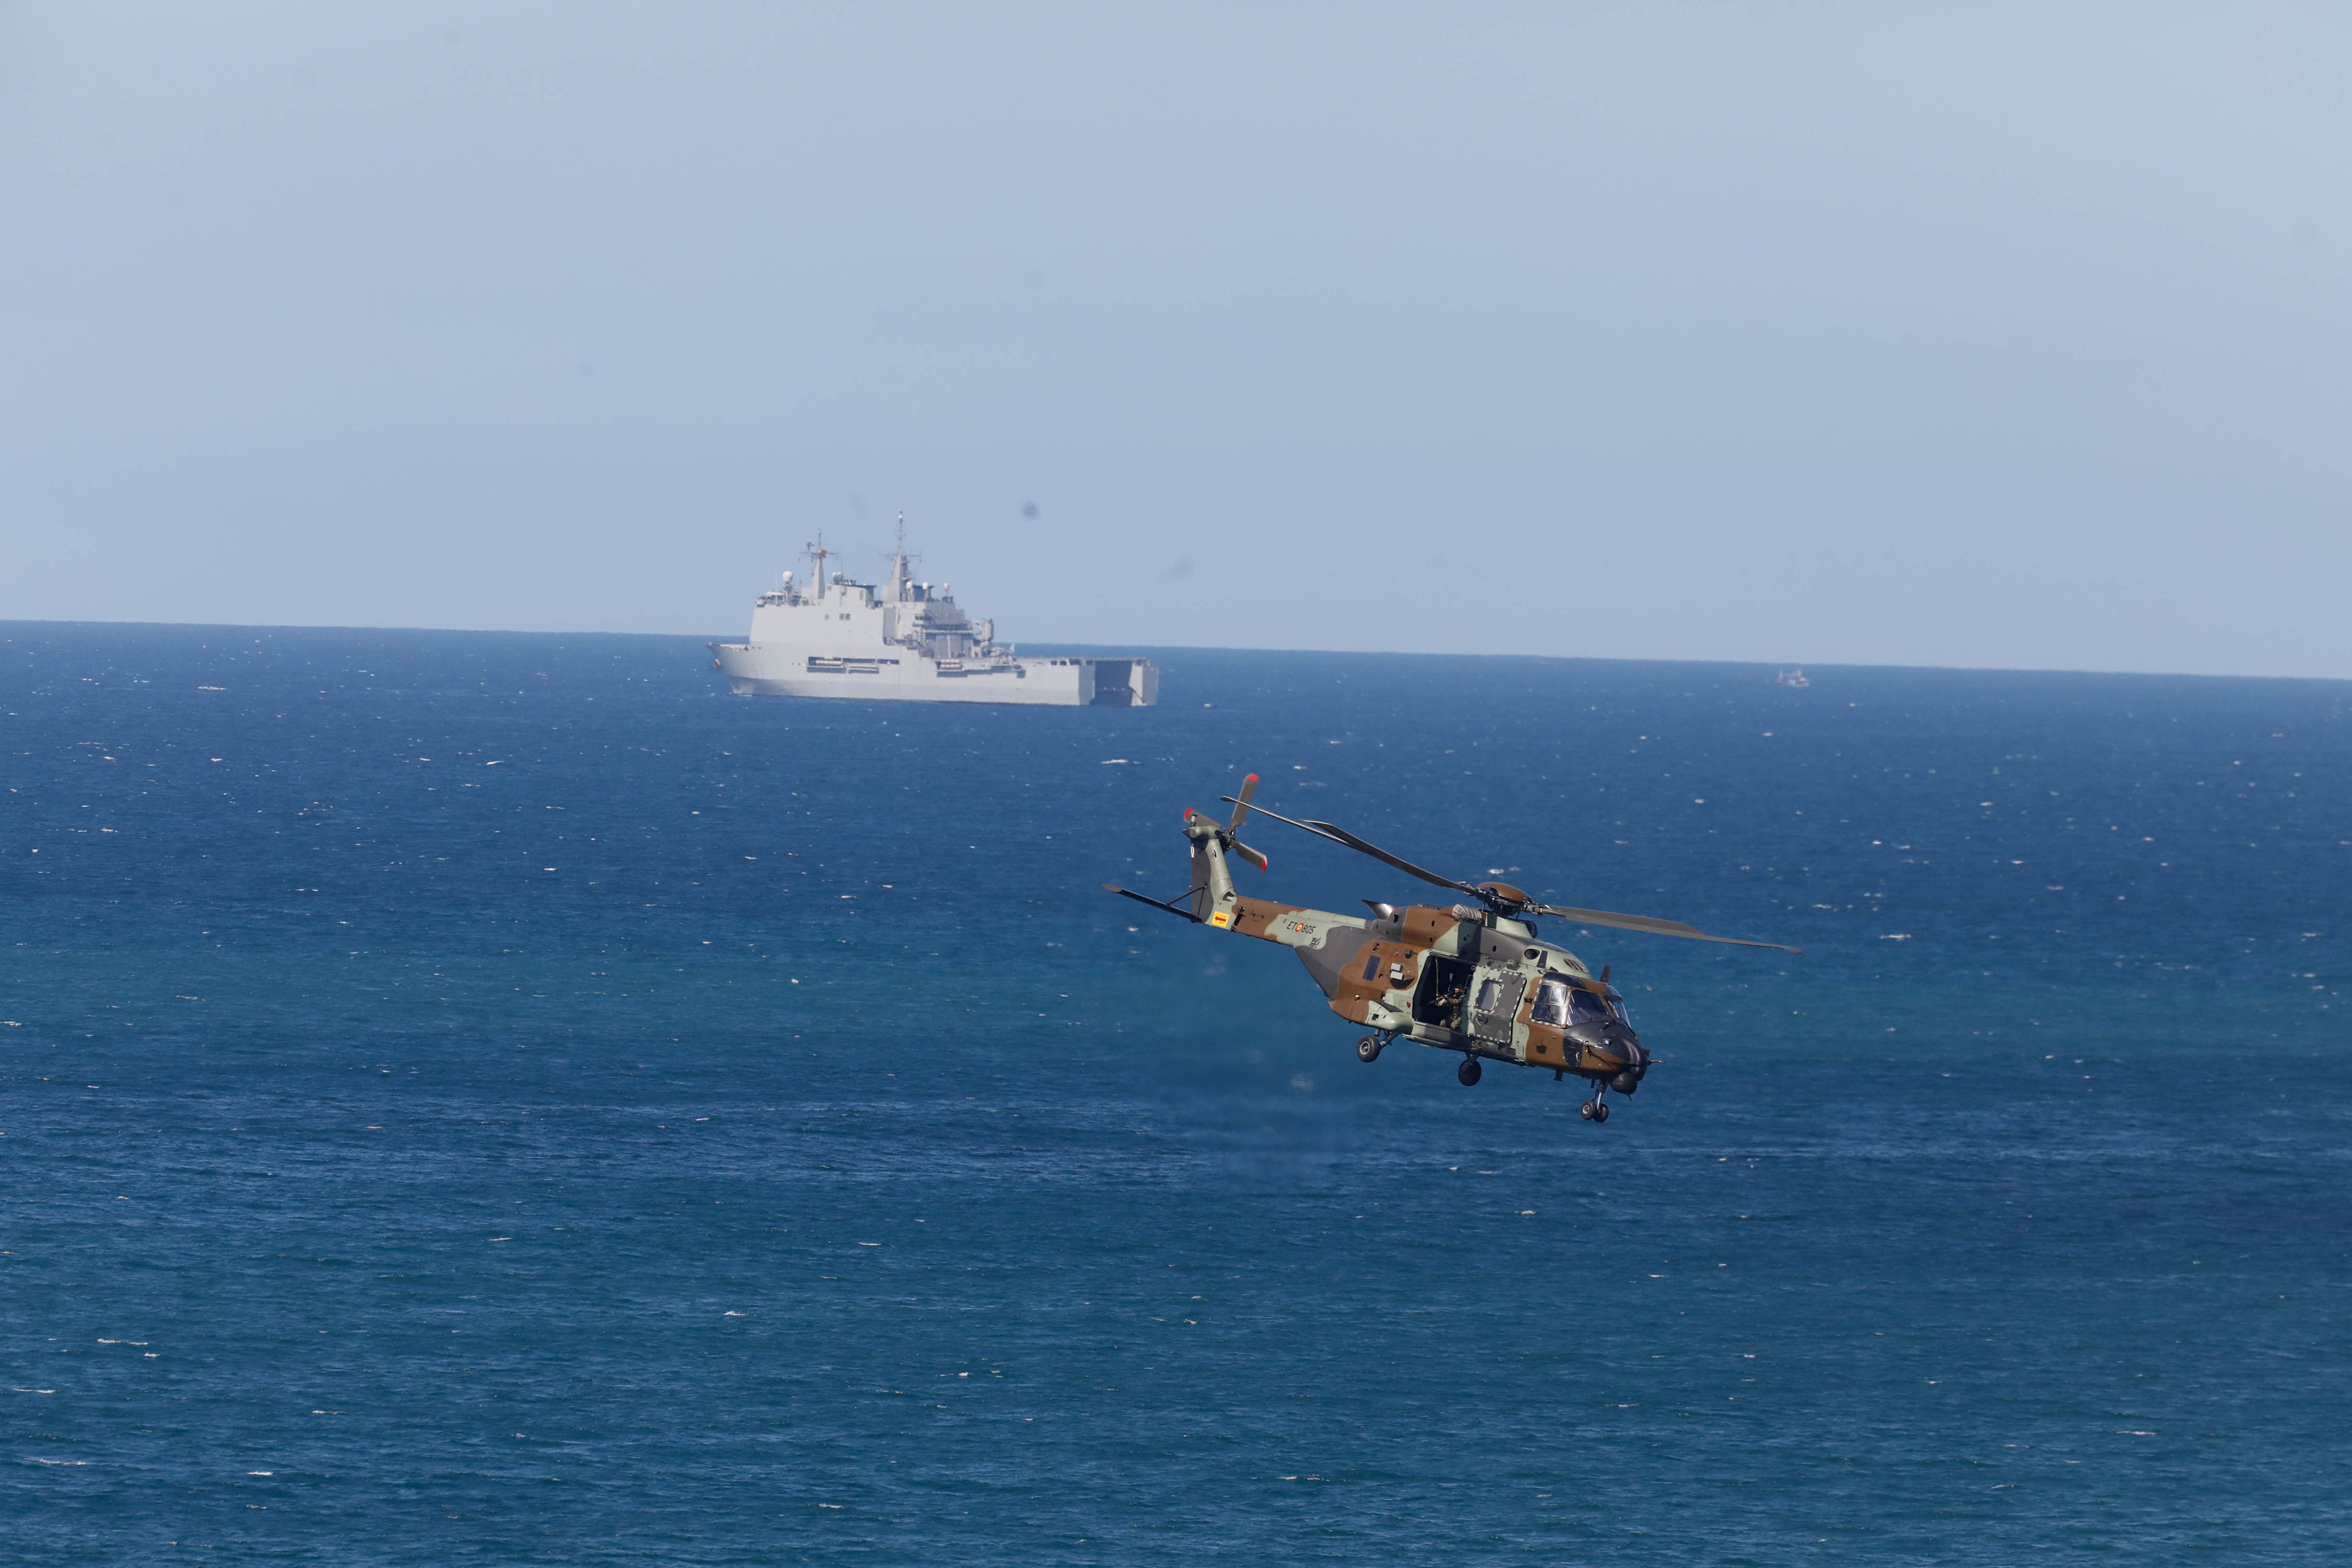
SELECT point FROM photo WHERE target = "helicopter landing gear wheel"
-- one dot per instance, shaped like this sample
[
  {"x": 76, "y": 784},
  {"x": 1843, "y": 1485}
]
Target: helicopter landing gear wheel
[
  {"x": 1468, "y": 1072},
  {"x": 1584, "y": 1109},
  {"x": 1600, "y": 1111},
  {"x": 1368, "y": 1049}
]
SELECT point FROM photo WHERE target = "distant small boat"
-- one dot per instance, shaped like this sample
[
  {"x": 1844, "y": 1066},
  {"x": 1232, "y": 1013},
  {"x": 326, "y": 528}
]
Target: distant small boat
[{"x": 1791, "y": 678}]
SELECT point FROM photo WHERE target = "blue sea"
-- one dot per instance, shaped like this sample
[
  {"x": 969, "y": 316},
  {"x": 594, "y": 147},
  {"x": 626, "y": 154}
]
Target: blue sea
[{"x": 487, "y": 1099}]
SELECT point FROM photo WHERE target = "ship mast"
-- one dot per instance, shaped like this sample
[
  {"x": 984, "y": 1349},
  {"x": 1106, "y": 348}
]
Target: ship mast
[{"x": 818, "y": 552}]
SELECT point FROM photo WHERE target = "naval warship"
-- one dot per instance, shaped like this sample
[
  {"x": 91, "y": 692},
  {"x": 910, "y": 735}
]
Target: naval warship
[{"x": 906, "y": 641}]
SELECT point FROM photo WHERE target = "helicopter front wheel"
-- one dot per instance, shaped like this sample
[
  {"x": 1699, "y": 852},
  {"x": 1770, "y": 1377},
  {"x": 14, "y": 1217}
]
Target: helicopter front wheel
[
  {"x": 1368, "y": 1049},
  {"x": 1469, "y": 1071}
]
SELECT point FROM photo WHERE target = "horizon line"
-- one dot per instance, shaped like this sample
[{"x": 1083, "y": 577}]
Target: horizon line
[{"x": 1220, "y": 648}]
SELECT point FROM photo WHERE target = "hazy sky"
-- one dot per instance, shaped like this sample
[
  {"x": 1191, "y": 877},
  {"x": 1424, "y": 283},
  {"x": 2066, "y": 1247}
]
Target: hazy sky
[{"x": 1880, "y": 333}]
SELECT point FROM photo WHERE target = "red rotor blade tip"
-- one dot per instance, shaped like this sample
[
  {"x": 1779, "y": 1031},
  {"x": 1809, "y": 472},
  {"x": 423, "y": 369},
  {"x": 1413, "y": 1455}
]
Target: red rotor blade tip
[{"x": 1252, "y": 779}]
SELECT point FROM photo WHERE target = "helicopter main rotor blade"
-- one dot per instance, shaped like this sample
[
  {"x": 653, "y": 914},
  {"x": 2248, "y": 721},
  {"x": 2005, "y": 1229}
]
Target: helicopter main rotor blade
[
  {"x": 1341, "y": 836},
  {"x": 1648, "y": 923},
  {"x": 1269, "y": 811},
  {"x": 1377, "y": 853}
]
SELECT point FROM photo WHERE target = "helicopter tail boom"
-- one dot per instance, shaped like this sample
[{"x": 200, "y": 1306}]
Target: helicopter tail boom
[{"x": 1213, "y": 893}]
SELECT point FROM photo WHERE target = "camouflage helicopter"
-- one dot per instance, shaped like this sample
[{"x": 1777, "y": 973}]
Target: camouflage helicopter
[{"x": 1468, "y": 978}]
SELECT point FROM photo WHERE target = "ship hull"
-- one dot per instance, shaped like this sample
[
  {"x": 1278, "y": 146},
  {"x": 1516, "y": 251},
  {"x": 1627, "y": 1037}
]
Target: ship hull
[{"x": 773, "y": 670}]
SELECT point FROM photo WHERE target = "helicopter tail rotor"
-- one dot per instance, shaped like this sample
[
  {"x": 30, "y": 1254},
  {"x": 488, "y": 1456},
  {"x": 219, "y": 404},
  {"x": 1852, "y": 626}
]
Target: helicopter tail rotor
[
  {"x": 1226, "y": 836},
  {"x": 1241, "y": 815},
  {"x": 1241, "y": 804}
]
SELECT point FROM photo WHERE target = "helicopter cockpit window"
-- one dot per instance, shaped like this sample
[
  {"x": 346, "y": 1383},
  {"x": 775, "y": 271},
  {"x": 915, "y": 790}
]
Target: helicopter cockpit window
[{"x": 1562, "y": 1005}]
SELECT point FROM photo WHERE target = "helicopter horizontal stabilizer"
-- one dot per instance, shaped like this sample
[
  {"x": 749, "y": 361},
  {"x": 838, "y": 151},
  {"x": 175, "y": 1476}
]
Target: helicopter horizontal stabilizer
[{"x": 1172, "y": 908}]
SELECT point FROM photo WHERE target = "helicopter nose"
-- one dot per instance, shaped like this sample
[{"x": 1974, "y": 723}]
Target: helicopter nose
[{"x": 1624, "y": 1046}]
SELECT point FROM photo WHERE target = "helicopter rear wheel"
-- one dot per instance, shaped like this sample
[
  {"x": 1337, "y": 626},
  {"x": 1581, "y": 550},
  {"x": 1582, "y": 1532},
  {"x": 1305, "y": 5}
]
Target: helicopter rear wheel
[
  {"x": 1368, "y": 1049},
  {"x": 1469, "y": 1071}
]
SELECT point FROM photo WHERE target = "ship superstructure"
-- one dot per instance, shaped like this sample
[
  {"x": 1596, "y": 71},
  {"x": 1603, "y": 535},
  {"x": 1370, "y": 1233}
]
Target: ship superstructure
[{"x": 907, "y": 640}]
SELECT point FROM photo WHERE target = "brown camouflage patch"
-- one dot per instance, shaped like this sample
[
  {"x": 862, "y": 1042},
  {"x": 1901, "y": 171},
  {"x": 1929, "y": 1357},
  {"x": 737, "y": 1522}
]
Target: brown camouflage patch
[
  {"x": 1375, "y": 969},
  {"x": 1426, "y": 927},
  {"x": 1547, "y": 1045},
  {"x": 1362, "y": 980}
]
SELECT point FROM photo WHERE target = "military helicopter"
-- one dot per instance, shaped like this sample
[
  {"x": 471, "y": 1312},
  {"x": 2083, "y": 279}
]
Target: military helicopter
[{"x": 1468, "y": 978}]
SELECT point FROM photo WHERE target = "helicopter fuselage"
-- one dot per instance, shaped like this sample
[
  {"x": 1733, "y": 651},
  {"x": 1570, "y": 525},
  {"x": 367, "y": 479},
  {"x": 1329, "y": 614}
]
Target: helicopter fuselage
[{"x": 1458, "y": 978}]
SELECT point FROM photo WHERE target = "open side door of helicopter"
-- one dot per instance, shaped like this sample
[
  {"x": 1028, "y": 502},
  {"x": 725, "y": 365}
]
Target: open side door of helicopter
[{"x": 1474, "y": 1005}]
